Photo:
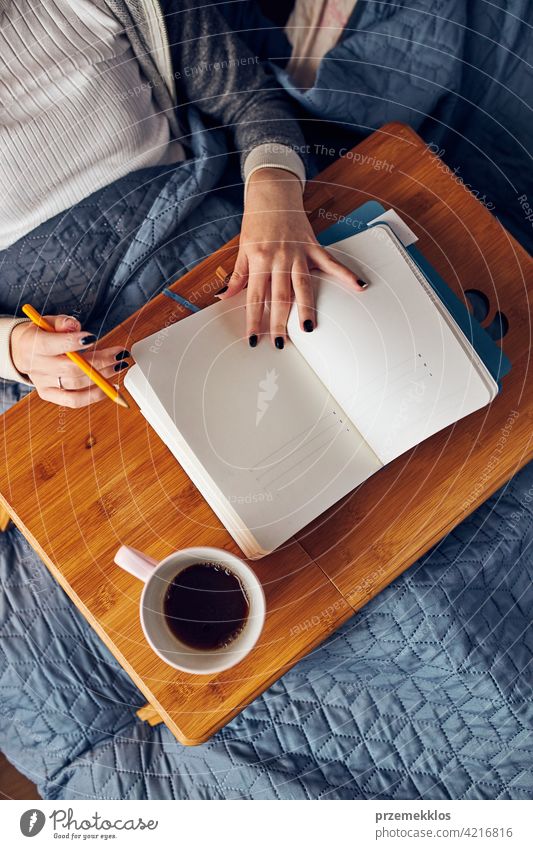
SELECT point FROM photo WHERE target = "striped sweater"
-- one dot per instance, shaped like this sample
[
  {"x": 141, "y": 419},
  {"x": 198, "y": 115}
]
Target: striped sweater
[{"x": 88, "y": 94}]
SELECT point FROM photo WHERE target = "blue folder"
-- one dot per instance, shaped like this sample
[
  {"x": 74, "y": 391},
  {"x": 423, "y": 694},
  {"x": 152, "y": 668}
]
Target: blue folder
[{"x": 497, "y": 363}]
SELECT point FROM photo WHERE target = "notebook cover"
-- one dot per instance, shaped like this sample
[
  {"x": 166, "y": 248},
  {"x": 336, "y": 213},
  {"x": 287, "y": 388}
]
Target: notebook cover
[{"x": 497, "y": 363}]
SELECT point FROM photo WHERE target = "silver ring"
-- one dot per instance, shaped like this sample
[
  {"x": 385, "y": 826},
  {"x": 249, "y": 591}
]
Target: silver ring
[{"x": 60, "y": 384}]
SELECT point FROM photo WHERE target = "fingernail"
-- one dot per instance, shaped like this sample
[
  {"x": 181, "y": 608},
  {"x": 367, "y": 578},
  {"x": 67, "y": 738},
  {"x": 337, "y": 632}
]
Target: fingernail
[
  {"x": 363, "y": 284},
  {"x": 221, "y": 291},
  {"x": 72, "y": 323},
  {"x": 122, "y": 355},
  {"x": 308, "y": 325},
  {"x": 253, "y": 340},
  {"x": 121, "y": 366},
  {"x": 280, "y": 342},
  {"x": 88, "y": 340}
]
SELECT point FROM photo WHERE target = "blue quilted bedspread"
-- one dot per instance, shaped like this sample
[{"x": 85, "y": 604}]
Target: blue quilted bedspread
[
  {"x": 428, "y": 692},
  {"x": 460, "y": 72}
]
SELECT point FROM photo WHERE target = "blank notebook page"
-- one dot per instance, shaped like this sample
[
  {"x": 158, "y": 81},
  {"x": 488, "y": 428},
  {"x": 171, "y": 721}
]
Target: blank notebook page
[
  {"x": 258, "y": 420},
  {"x": 391, "y": 356}
]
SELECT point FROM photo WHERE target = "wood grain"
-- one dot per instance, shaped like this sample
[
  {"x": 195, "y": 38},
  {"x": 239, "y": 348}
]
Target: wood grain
[
  {"x": 376, "y": 532},
  {"x": 14, "y": 785},
  {"x": 4, "y": 519},
  {"x": 148, "y": 714},
  {"x": 80, "y": 483}
]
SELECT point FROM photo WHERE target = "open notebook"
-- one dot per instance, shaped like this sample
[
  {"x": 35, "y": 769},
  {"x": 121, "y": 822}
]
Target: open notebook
[{"x": 273, "y": 438}]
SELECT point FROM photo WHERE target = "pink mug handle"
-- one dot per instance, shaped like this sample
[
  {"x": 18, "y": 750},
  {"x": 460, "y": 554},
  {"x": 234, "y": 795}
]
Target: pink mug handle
[{"x": 135, "y": 562}]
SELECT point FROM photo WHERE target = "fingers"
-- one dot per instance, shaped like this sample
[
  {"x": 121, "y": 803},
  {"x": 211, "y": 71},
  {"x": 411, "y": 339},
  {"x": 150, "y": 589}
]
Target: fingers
[
  {"x": 305, "y": 295},
  {"x": 78, "y": 380},
  {"x": 62, "y": 367},
  {"x": 31, "y": 344},
  {"x": 238, "y": 279},
  {"x": 63, "y": 323},
  {"x": 47, "y": 344},
  {"x": 322, "y": 260},
  {"x": 280, "y": 304},
  {"x": 290, "y": 273},
  {"x": 257, "y": 294},
  {"x": 73, "y": 400},
  {"x": 77, "y": 390},
  {"x": 101, "y": 360}
]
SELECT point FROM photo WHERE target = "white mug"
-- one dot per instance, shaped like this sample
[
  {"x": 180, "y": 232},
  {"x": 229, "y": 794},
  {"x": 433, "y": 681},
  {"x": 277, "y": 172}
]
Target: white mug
[{"x": 157, "y": 578}]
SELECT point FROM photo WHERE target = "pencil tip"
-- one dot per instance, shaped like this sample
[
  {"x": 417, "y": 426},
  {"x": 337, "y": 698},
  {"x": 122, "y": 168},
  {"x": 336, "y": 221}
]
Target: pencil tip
[{"x": 122, "y": 402}]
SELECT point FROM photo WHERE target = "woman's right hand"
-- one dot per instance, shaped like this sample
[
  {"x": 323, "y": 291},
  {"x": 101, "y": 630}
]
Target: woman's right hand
[{"x": 41, "y": 355}]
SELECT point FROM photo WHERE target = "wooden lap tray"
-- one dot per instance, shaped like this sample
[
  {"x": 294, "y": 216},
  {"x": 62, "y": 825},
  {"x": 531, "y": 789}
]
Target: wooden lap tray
[{"x": 80, "y": 483}]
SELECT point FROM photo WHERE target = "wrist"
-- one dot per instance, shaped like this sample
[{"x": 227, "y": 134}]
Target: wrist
[
  {"x": 275, "y": 157},
  {"x": 15, "y": 346},
  {"x": 274, "y": 180},
  {"x": 272, "y": 174},
  {"x": 274, "y": 188}
]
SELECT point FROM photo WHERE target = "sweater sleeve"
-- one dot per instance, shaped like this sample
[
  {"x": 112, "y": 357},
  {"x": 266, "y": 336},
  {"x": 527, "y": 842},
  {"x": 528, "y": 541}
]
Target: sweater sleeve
[
  {"x": 7, "y": 367},
  {"x": 219, "y": 74}
]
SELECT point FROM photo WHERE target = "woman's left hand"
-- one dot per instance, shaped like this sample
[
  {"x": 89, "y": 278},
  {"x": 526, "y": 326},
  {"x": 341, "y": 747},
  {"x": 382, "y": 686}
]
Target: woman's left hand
[{"x": 277, "y": 251}]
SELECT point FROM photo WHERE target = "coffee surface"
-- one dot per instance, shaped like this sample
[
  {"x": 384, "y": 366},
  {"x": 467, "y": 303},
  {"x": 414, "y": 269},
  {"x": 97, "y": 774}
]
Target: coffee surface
[{"x": 206, "y": 606}]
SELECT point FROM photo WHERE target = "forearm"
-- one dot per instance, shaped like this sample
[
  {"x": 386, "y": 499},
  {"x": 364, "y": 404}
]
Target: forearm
[{"x": 219, "y": 74}]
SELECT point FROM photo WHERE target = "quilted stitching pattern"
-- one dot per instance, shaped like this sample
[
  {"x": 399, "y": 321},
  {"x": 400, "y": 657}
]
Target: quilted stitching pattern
[
  {"x": 426, "y": 694},
  {"x": 105, "y": 257},
  {"x": 459, "y": 73},
  {"x": 60, "y": 264}
]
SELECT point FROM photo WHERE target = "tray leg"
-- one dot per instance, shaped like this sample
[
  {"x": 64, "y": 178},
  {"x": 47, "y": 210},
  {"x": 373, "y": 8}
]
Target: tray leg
[
  {"x": 149, "y": 714},
  {"x": 4, "y": 519}
]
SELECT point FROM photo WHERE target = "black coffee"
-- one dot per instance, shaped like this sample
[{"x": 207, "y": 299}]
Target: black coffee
[{"x": 206, "y": 606}]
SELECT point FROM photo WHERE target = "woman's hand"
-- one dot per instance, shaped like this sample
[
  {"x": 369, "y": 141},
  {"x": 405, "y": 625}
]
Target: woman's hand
[
  {"x": 41, "y": 355},
  {"x": 277, "y": 250}
]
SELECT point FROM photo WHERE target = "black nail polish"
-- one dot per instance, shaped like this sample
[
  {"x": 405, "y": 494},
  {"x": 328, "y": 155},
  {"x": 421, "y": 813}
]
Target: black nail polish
[
  {"x": 121, "y": 366},
  {"x": 88, "y": 340},
  {"x": 221, "y": 291},
  {"x": 122, "y": 355},
  {"x": 253, "y": 340},
  {"x": 280, "y": 342},
  {"x": 308, "y": 325},
  {"x": 363, "y": 284}
]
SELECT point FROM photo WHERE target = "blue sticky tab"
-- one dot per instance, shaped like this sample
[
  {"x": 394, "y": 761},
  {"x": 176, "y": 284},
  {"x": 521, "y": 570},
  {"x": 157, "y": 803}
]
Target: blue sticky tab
[
  {"x": 183, "y": 301},
  {"x": 347, "y": 225}
]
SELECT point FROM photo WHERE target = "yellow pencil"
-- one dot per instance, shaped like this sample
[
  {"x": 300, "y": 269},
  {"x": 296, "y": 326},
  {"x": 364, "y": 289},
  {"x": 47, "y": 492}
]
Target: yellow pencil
[{"x": 86, "y": 368}]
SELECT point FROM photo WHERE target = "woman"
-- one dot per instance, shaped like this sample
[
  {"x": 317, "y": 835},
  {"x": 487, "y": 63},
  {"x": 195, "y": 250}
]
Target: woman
[{"x": 88, "y": 92}]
